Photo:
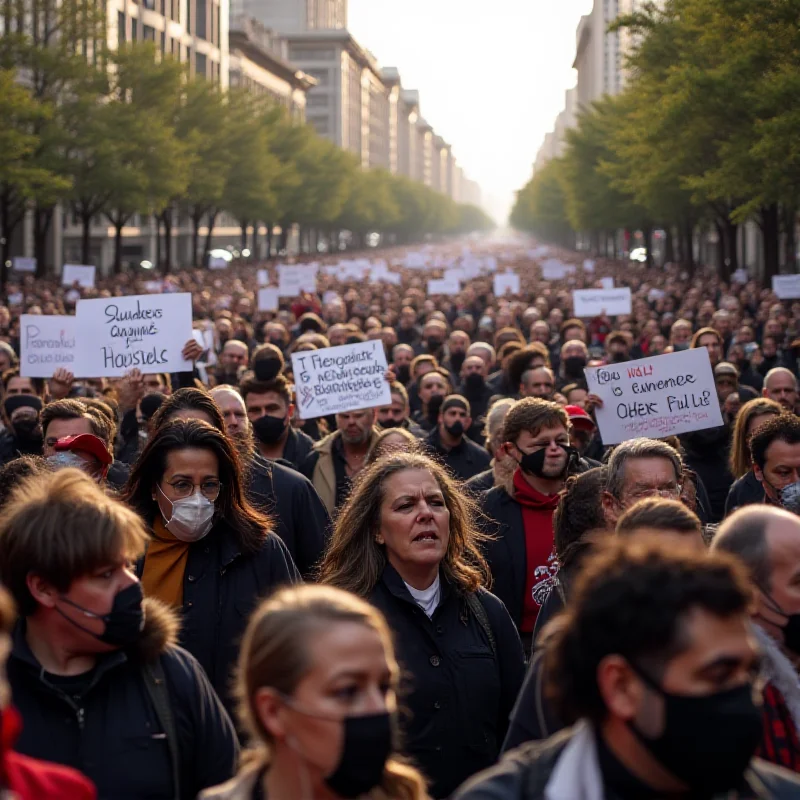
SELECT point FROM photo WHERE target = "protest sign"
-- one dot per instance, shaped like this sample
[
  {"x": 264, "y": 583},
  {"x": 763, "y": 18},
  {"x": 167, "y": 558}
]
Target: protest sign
[
  {"x": 47, "y": 343},
  {"x": 607, "y": 283},
  {"x": 554, "y": 270},
  {"x": 506, "y": 282},
  {"x": 153, "y": 287},
  {"x": 740, "y": 276},
  {"x": 295, "y": 279},
  {"x": 588, "y": 265},
  {"x": 21, "y": 264},
  {"x": 144, "y": 331},
  {"x": 263, "y": 277},
  {"x": 15, "y": 299},
  {"x": 81, "y": 274},
  {"x": 787, "y": 287},
  {"x": 268, "y": 299},
  {"x": 330, "y": 297},
  {"x": 593, "y": 302},
  {"x": 655, "y": 397},
  {"x": 455, "y": 274},
  {"x": 416, "y": 260},
  {"x": 338, "y": 379},
  {"x": 217, "y": 262},
  {"x": 443, "y": 286}
]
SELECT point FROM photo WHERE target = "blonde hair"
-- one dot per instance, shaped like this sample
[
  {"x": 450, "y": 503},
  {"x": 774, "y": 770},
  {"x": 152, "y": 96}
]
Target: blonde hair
[
  {"x": 62, "y": 526},
  {"x": 740, "y": 460},
  {"x": 275, "y": 654},
  {"x": 355, "y": 561}
]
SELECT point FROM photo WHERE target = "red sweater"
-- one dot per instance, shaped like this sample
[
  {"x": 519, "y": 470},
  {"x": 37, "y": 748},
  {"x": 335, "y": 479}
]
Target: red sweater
[
  {"x": 537, "y": 519},
  {"x": 31, "y": 779}
]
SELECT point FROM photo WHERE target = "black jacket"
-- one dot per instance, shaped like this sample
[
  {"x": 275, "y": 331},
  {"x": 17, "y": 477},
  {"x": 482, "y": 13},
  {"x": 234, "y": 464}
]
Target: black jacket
[
  {"x": 112, "y": 733},
  {"x": 298, "y": 446},
  {"x": 465, "y": 460},
  {"x": 706, "y": 452},
  {"x": 480, "y": 483},
  {"x": 301, "y": 519},
  {"x": 525, "y": 772},
  {"x": 460, "y": 694},
  {"x": 746, "y": 491},
  {"x": 221, "y": 587}
]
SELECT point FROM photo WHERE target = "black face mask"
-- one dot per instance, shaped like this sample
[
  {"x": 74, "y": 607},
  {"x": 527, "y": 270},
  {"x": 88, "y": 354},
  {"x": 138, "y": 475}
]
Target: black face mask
[
  {"x": 455, "y": 430},
  {"x": 474, "y": 382},
  {"x": 391, "y": 423},
  {"x": 434, "y": 407},
  {"x": 708, "y": 740},
  {"x": 533, "y": 463},
  {"x": 277, "y": 341},
  {"x": 791, "y": 630},
  {"x": 573, "y": 366},
  {"x": 403, "y": 373},
  {"x": 680, "y": 347},
  {"x": 457, "y": 361},
  {"x": 123, "y": 624},
  {"x": 434, "y": 345},
  {"x": 268, "y": 430},
  {"x": 28, "y": 435},
  {"x": 620, "y": 358}
]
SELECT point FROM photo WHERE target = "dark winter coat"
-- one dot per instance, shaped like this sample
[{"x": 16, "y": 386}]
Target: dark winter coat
[
  {"x": 298, "y": 446},
  {"x": 460, "y": 693},
  {"x": 301, "y": 519},
  {"x": 465, "y": 460},
  {"x": 221, "y": 587},
  {"x": 746, "y": 491},
  {"x": 112, "y": 733}
]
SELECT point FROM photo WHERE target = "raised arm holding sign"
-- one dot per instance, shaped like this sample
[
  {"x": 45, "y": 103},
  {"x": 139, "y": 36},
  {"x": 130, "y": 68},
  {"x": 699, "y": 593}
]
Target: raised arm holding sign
[{"x": 655, "y": 397}]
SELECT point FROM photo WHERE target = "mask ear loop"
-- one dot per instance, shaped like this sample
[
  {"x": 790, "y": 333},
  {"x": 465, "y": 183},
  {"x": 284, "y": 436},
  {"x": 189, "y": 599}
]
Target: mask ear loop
[{"x": 171, "y": 505}]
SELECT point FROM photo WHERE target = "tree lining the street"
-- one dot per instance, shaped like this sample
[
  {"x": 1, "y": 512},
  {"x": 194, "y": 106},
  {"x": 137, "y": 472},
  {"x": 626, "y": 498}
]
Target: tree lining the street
[{"x": 703, "y": 137}]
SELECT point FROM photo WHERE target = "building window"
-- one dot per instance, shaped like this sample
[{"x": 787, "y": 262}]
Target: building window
[
  {"x": 189, "y": 16},
  {"x": 316, "y": 100},
  {"x": 121, "y": 27},
  {"x": 149, "y": 33},
  {"x": 311, "y": 54},
  {"x": 163, "y": 42},
  {"x": 200, "y": 65},
  {"x": 201, "y": 13},
  {"x": 134, "y": 29},
  {"x": 323, "y": 76}
]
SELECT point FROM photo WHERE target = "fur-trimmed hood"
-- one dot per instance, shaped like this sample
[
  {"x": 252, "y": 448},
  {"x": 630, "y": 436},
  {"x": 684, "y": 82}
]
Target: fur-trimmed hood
[{"x": 161, "y": 628}]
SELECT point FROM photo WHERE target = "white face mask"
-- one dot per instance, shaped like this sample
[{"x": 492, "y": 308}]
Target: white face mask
[{"x": 192, "y": 517}]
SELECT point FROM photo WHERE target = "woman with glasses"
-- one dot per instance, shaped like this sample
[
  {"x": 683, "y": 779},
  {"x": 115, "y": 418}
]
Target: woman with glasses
[{"x": 211, "y": 554}]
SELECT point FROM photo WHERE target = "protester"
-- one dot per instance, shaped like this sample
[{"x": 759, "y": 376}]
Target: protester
[
  {"x": 449, "y": 444},
  {"x": 767, "y": 541},
  {"x": 474, "y": 372},
  {"x": 775, "y": 448},
  {"x": 397, "y": 414},
  {"x": 22, "y": 435},
  {"x": 520, "y": 511},
  {"x": 317, "y": 683},
  {"x": 501, "y": 462},
  {"x": 335, "y": 461},
  {"x": 433, "y": 388},
  {"x": 653, "y": 665},
  {"x": 780, "y": 385},
  {"x": 665, "y": 519},
  {"x": 406, "y": 540},
  {"x": 392, "y": 440},
  {"x": 211, "y": 554},
  {"x": 747, "y": 489},
  {"x": 94, "y": 669}
]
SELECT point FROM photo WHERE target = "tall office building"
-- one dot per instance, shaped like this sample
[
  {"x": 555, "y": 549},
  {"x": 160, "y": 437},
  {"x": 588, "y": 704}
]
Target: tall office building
[{"x": 297, "y": 16}]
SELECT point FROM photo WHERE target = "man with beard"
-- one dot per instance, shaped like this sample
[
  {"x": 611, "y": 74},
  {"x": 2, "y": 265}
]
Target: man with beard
[
  {"x": 536, "y": 435},
  {"x": 433, "y": 388},
  {"x": 23, "y": 433},
  {"x": 270, "y": 410},
  {"x": 336, "y": 460},
  {"x": 618, "y": 348},
  {"x": 433, "y": 335},
  {"x": 402, "y": 356},
  {"x": 457, "y": 346},
  {"x": 539, "y": 382},
  {"x": 448, "y": 441},
  {"x": 574, "y": 358},
  {"x": 301, "y": 519},
  {"x": 232, "y": 359},
  {"x": 396, "y": 415},
  {"x": 780, "y": 385}
]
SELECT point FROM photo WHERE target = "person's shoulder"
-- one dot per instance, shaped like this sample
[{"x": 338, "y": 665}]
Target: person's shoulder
[
  {"x": 288, "y": 478},
  {"x": 780, "y": 783},
  {"x": 29, "y": 777},
  {"x": 495, "y": 608}
]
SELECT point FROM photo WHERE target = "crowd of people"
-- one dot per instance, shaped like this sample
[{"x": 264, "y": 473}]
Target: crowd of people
[{"x": 464, "y": 593}]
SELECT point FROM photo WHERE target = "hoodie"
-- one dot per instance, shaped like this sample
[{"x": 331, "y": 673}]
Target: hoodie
[{"x": 541, "y": 566}]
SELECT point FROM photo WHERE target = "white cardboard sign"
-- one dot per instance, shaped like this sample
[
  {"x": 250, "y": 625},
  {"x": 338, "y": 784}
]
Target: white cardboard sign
[
  {"x": 655, "y": 397},
  {"x": 217, "y": 262},
  {"x": 787, "y": 287},
  {"x": 146, "y": 331},
  {"x": 22, "y": 264},
  {"x": 593, "y": 302},
  {"x": 444, "y": 286},
  {"x": 554, "y": 270},
  {"x": 607, "y": 283},
  {"x": 263, "y": 277},
  {"x": 83, "y": 274},
  {"x": 338, "y": 379},
  {"x": 294, "y": 279},
  {"x": 506, "y": 282},
  {"x": 47, "y": 343},
  {"x": 588, "y": 265},
  {"x": 268, "y": 299},
  {"x": 153, "y": 287}
]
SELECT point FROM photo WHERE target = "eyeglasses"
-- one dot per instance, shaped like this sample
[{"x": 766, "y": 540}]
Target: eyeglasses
[
  {"x": 669, "y": 492},
  {"x": 181, "y": 489}
]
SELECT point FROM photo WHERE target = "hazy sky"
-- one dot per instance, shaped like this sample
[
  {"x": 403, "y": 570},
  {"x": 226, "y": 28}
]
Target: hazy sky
[{"x": 491, "y": 75}]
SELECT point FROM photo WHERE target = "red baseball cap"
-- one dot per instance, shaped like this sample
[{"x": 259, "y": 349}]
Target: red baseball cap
[
  {"x": 86, "y": 443},
  {"x": 580, "y": 418}
]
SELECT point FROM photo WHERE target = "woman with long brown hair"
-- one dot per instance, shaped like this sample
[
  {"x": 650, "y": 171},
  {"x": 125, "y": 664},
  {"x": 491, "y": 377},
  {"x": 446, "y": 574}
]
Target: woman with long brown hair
[
  {"x": 406, "y": 540},
  {"x": 747, "y": 489},
  {"x": 211, "y": 554},
  {"x": 317, "y": 685}
]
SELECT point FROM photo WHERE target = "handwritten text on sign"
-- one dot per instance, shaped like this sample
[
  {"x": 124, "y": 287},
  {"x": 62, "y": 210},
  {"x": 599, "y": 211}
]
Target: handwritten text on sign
[
  {"x": 47, "y": 343},
  {"x": 338, "y": 379},
  {"x": 655, "y": 397},
  {"x": 143, "y": 331},
  {"x": 594, "y": 302}
]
